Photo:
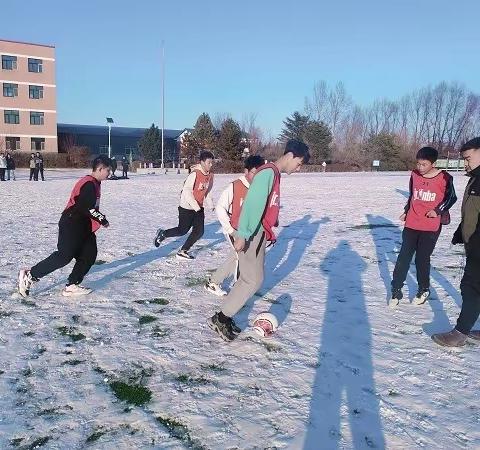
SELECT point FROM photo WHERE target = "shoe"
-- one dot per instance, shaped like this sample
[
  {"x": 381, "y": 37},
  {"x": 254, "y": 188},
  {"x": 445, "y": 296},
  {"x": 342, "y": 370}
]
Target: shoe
[
  {"x": 159, "y": 237},
  {"x": 236, "y": 330},
  {"x": 215, "y": 289},
  {"x": 475, "y": 335},
  {"x": 25, "y": 281},
  {"x": 397, "y": 295},
  {"x": 183, "y": 254},
  {"x": 450, "y": 339},
  {"x": 223, "y": 329},
  {"x": 75, "y": 290},
  {"x": 422, "y": 296}
]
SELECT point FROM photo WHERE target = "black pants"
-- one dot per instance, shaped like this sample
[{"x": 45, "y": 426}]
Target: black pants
[
  {"x": 187, "y": 218},
  {"x": 470, "y": 287},
  {"x": 125, "y": 173},
  {"x": 422, "y": 243},
  {"x": 40, "y": 169},
  {"x": 34, "y": 174},
  {"x": 2, "y": 174},
  {"x": 75, "y": 240}
]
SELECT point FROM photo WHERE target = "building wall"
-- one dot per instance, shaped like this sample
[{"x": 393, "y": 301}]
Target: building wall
[{"x": 22, "y": 103}]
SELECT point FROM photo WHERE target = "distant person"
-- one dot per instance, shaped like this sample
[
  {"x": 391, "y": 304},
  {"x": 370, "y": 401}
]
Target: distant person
[
  {"x": 39, "y": 165},
  {"x": 125, "y": 167},
  {"x": 468, "y": 234},
  {"x": 258, "y": 217},
  {"x": 195, "y": 194},
  {"x": 3, "y": 166},
  {"x": 33, "y": 167},
  {"x": 114, "y": 167},
  {"x": 10, "y": 167},
  {"x": 76, "y": 234},
  {"x": 432, "y": 194},
  {"x": 228, "y": 210}
]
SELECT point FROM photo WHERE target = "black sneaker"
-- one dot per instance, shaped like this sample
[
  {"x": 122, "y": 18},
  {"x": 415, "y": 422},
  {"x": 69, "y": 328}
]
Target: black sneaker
[
  {"x": 421, "y": 297},
  {"x": 235, "y": 328},
  {"x": 397, "y": 295},
  {"x": 159, "y": 237},
  {"x": 223, "y": 329},
  {"x": 183, "y": 254}
]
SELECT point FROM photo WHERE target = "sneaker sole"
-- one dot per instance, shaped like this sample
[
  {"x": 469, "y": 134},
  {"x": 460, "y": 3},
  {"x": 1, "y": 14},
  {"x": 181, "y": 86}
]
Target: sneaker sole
[
  {"x": 394, "y": 303},
  {"x": 184, "y": 258},
  {"x": 24, "y": 294},
  {"x": 155, "y": 241},
  {"x": 418, "y": 301},
  {"x": 218, "y": 294},
  {"x": 441, "y": 343},
  {"x": 213, "y": 327},
  {"x": 72, "y": 294}
]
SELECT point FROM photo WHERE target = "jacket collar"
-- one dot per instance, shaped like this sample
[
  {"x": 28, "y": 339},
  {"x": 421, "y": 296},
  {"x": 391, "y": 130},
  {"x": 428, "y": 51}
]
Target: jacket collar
[{"x": 474, "y": 173}]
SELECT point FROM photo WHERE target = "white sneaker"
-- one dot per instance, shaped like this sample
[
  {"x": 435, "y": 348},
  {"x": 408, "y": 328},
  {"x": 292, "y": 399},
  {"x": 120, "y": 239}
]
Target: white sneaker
[
  {"x": 24, "y": 282},
  {"x": 215, "y": 289},
  {"x": 421, "y": 297},
  {"x": 74, "y": 290},
  {"x": 183, "y": 254}
]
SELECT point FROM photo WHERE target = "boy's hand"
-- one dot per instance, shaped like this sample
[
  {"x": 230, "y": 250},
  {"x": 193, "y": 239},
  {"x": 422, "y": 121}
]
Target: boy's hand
[
  {"x": 403, "y": 217},
  {"x": 432, "y": 214},
  {"x": 239, "y": 244}
]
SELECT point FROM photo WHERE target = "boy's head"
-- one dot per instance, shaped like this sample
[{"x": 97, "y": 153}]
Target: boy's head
[
  {"x": 101, "y": 167},
  {"x": 426, "y": 158},
  {"x": 206, "y": 160},
  {"x": 296, "y": 153},
  {"x": 471, "y": 154},
  {"x": 252, "y": 163}
]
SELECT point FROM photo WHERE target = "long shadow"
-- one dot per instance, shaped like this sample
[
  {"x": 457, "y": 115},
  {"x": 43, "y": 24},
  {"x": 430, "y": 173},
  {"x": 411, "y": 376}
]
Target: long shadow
[
  {"x": 280, "y": 261},
  {"x": 388, "y": 238},
  {"x": 345, "y": 368}
]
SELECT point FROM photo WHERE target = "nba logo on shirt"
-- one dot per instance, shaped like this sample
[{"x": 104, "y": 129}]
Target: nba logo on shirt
[
  {"x": 425, "y": 196},
  {"x": 202, "y": 186},
  {"x": 274, "y": 200}
]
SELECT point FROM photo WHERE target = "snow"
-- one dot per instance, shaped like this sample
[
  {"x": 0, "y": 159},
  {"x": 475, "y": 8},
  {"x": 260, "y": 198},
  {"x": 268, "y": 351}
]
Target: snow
[{"x": 343, "y": 370}]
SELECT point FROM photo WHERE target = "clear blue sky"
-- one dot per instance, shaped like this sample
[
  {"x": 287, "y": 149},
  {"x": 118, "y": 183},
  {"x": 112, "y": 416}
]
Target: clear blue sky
[{"x": 242, "y": 57}]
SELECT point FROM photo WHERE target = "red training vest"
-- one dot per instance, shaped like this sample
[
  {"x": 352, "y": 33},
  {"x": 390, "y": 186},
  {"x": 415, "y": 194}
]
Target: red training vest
[
  {"x": 272, "y": 209},
  {"x": 76, "y": 192},
  {"x": 200, "y": 187},
  {"x": 239, "y": 194}
]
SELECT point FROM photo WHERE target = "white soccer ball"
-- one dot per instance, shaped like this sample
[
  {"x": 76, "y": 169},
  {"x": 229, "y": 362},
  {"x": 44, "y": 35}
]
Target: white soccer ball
[{"x": 265, "y": 324}]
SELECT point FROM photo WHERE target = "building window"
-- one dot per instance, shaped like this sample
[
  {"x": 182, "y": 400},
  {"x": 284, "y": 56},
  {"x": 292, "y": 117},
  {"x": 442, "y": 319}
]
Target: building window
[
  {"x": 35, "y": 65},
  {"x": 103, "y": 149},
  {"x": 12, "y": 143},
  {"x": 35, "y": 91},
  {"x": 9, "y": 62},
  {"x": 11, "y": 116},
  {"x": 36, "y": 118},
  {"x": 10, "y": 90},
  {"x": 37, "y": 144}
]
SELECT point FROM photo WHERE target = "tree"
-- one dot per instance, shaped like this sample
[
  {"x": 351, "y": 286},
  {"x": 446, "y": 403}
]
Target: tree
[
  {"x": 294, "y": 127},
  {"x": 318, "y": 137},
  {"x": 150, "y": 145},
  {"x": 204, "y": 132},
  {"x": 229, "y": 142},
  {"x": 189, "y": 148},
  {"x": 384, "y": 147}
]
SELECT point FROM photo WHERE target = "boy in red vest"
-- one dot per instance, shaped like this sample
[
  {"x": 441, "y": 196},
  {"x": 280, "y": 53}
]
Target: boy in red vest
[
  {"x": 432, "y": 194},
  {"x": 195, "y": 193},
  {"x": 258, "y": 217},
  {"x": 76, "y": 234},
  {"x": 228, "y": 211}
]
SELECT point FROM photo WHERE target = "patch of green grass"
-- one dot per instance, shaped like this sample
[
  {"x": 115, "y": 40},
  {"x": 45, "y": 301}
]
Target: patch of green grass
[
  {"x": 29, "y": 333},
  {"x": 98, "y": 369},
  {"x": 186, "y": 378},
  {"x": 371, "y": 226},
  {"x": 72, "y": 362},
  {"x": 2, "y": 372},
  {"x": 195, "y": 281},
  {"x": 393, "y": 393},
  {"x": 96, "y": 435},
  {"x": 178, "y": 430},
  {"x": 37, "y": 443},
  {"x": 71, "y": 332},
  {"x": 99, "y": 262},
  {"x": 16, "y": 442},
  {"x": 160, "y": 332},
  {"x": 5, "y": 314},
  {"x": 28, "y": 303},
  {"x": 153, "y": 301},
  {"x": 134, "y": 394},
  {"x": 27, "y": 372},
  {"x": 146, "y": 319},
  {"x": 213, "y": 367}
]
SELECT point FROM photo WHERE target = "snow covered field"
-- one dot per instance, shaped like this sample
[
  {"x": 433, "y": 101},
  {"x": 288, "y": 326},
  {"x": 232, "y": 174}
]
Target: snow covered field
[{"x": 343, "y": 371}]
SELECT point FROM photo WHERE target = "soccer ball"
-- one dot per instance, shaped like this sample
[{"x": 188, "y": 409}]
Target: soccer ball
[{"x": 265, "y": 324}]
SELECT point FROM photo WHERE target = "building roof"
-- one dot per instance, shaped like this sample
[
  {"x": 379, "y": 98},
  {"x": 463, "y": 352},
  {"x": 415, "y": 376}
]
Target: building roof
[
  {"x": 27, "y": 43},
  {"x": 102, "y": 130}
]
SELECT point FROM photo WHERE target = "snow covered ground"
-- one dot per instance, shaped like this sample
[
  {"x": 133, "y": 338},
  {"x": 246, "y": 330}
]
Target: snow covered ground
[{"x": 343, "y": 371}]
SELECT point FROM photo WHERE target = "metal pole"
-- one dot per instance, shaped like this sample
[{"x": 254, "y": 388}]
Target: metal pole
[
  {"x": 163, "y": 98},
  {"x": 109, "y": 146}
]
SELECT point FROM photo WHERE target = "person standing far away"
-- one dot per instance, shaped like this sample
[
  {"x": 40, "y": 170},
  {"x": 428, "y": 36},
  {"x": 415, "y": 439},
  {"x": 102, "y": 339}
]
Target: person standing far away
[
  {"x": 125, "y": 167},
  {"x": 10, "y": 167},
  {"x": 195, "y": 194},
  {"x": 468, "y": 234},
  {"x": 114, "y": 167},
  {"x": 32, "y": 166},
  {"x": 260, "y": 212},
  {"x": 3, "y": 166},
  {"x": 39, "y": 163},
  {"x": 78, "y": 224}
]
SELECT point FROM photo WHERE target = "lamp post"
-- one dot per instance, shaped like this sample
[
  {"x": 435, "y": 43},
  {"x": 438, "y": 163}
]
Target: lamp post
[
  {"x": 163, "y": 99},
  {"x": 109, "y": 124}
]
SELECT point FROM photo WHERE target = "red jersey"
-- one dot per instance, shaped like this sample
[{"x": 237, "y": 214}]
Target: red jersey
[
  {"x": 76, "y": 192},
  {"x": 202, "y": 183},
  {"x": 239, "y": 194},
  {"x": 272, "y": 209}
]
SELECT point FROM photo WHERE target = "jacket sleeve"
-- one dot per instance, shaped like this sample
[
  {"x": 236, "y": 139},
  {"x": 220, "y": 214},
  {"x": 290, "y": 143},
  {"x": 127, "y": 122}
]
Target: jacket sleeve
[
  {"x": 85, "y": 204},
  {"x": 223, "y": 209},
  {"x": 450, "y": 197},
  {"x": 410, "y": 194},
  {"x": 188, "y": 191}
]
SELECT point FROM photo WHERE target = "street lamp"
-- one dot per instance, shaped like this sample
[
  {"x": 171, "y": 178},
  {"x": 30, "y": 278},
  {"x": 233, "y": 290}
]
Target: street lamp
[{"x": 109, "y": 124}]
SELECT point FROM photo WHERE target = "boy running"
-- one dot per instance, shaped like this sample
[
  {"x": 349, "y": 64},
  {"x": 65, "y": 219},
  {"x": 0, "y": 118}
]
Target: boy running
[
  {"x": 258, "y": 216},
  {"x": 432, "y": 194},
  {"x": 228, "y": 211},
  {"x": 195, "y": 193},
  {"x": 76, "y": 234}
]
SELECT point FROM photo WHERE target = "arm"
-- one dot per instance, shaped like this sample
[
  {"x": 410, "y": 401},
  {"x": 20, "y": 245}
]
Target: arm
[
  {"x": 254, "y": 204},
  {"x": 450, "y": 197},
  {"x": 223, "y": 208},
  {"x": 85, "y": 204},
  {"x": 208, "y": 196},
  {"x": 188, "y": 191},
  {"x": 410, "y": 189}
]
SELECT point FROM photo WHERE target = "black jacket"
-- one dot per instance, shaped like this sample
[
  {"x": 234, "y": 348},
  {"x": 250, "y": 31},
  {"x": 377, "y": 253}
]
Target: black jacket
[{"x": 10, "y": 163}]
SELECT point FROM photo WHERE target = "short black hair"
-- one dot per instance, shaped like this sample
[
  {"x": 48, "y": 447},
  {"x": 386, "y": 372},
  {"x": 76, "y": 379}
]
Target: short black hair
[
  {"x": 472, "y": 144},
  {"x": 298, "y": 148},
  {"x": 254, "y": 162},
  {"x": 428, "y": 153},
  {"x": 205, "y": 154},
  {"x": 102, "y": 160}
]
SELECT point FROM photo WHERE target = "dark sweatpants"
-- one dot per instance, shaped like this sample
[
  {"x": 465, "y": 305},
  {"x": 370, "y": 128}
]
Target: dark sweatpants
[
  {"x": 422, "y": 243},
  {"x": 75, "y": 240},
  {"x": 470, "y": 287},
  {"x": 188, "y": 218}
]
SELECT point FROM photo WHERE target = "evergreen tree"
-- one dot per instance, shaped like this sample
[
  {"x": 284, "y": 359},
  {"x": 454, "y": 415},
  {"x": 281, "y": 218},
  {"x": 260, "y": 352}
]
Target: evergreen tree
[
  {"x": 150, "y": 145},
  {"x": 204, "y": 132},
  {"x": 189, "y": 148},
  {"x": 294, "y": 127},
  {"x": 229, "y": 142},
  {"x": 385, "y": 148},
  {"x": 318, "y": 137}
]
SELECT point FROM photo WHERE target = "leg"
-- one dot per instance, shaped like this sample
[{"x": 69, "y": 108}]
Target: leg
[
  {"x": 84, "y": 260},
  {"x": 41, "y": 173},
  {"x": 8, "y": 174},
  {"x": 185, "y": 221},
  {"x": 251, "y": 262},
  {"x": 426, "y": 244},
  {"x": 13, "y": 173},
  {"x": 228, "y": 268},
  {"x": 32, "y": 171},
  {"x": 197, "y": 230},
  {"x": 470, "y": 287},
  {"x": 409, "y": 244}
]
